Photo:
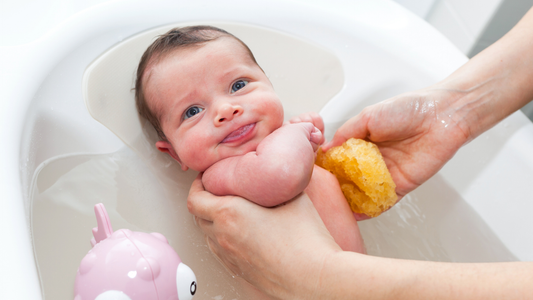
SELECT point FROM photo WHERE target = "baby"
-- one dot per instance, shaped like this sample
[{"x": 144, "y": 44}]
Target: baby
[{"x": 216, "y": 112}]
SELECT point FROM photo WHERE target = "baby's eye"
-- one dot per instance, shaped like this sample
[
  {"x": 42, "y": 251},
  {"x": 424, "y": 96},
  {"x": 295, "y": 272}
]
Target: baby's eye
[
  {"x": 192, "y": 111},
  {"x": 239, "y": 84}
]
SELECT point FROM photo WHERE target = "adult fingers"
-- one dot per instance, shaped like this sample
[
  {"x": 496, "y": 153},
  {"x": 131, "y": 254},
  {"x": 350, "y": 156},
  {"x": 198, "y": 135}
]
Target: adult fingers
[
  {"x": 361, "y": 217},
  {"x": 200, "y": 202},
  {"x": 355, "y": 127},
  {"x": 215, "y": 248},
  {"x": 205, "y": 226}
]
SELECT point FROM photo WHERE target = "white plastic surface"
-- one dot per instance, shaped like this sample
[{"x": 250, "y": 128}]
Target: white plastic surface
[
  {"x": 186, "y": 282},
  {"x": 112, "y": 295},
  {"x": 42, "y": 115}
]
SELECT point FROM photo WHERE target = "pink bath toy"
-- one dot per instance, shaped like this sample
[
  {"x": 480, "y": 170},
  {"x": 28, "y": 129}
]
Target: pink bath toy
[{"x": 127, "y": 265}]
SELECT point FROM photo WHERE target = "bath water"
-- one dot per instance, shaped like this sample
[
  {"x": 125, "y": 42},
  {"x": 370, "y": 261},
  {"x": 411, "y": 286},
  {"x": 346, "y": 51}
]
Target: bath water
[{"x": 432, "y": 223}]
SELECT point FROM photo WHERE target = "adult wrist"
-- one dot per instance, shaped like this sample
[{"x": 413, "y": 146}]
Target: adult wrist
[
  {"x": 496, "y": 82},
  {"x": 474, "y": 105}
]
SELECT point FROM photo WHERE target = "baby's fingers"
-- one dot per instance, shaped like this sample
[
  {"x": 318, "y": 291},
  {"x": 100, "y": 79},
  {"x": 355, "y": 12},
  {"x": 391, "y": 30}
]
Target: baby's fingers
[
  {"x": 305, "y": 117},
  {"x": 311, "y": 117},
  {"x": 316, "y": 138}
]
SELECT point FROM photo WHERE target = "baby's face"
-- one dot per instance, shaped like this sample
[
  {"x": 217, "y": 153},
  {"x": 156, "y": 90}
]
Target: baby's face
[{"x": 214, "y": 103}]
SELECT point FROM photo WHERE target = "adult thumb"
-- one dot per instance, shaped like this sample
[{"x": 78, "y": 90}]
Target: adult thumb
[{"x": 355, "y": 127}]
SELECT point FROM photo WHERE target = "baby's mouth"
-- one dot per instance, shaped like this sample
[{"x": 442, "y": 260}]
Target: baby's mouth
[{"x": 239, "y": 133}]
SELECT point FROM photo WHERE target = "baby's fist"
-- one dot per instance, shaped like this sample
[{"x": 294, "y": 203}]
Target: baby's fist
[
  {"x": 313, "y": 118},
  {"x": 315, "y": 136}
]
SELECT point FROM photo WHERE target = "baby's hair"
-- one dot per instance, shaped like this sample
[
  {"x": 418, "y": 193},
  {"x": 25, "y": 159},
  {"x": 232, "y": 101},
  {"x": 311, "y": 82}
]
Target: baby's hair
[{"x": 177, "y": 38}]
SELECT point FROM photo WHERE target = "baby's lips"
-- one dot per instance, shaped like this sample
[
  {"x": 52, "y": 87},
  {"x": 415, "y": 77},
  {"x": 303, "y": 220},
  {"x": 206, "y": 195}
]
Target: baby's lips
[{"x": 238, "y": 133}]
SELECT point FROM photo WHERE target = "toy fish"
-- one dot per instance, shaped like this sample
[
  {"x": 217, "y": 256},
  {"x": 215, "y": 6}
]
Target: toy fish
[{"x": 128, "y": 265}]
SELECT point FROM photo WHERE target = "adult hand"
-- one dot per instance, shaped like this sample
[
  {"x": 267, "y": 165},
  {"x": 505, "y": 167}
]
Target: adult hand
[
  {"x": 278, "y": 250},
  {"x": 417, "y": 133}
]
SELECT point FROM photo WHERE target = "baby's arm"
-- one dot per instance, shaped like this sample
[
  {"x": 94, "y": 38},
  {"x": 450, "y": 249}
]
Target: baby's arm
[{"x": 277, "y": 171}]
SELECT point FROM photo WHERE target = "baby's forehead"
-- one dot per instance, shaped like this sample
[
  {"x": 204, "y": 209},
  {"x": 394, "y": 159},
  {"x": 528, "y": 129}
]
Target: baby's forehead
[{"x": 226, "y": 43}]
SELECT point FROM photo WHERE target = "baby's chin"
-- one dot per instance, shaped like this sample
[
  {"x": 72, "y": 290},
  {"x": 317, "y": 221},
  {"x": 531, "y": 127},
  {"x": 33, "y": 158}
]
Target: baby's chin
[
  {"x": 202, "y": 167},
  {"x": 228, "y": 150}
]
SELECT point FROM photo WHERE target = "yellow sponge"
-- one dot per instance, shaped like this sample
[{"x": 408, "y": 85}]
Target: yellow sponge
[{"x": 362, "y": 174}]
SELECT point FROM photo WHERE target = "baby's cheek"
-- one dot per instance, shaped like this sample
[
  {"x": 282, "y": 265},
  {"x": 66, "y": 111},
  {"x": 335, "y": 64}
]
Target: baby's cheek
[
  {"x": 201, "y": 158},
  {"x": 194, "y": 160},
  {"x": 271, "y": 106}
]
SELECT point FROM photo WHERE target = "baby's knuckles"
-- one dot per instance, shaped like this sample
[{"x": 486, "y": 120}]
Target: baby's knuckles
[{"x": 311, "y": 117}]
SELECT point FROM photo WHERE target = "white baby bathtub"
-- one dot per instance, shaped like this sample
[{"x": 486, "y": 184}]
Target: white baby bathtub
[{"x": 476, "y": 209}]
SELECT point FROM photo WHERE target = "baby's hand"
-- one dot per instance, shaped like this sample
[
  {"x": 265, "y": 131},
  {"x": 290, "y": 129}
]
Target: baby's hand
[
  {"x": 316, "y": 138},
  {"x": 316, "y": 120}
]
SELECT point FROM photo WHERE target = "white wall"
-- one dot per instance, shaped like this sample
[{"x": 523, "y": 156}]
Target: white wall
[
  {"x": 462, "y": 21},
  {"x": 505, "y": 17},
  {"x": 419, "y": 7},
  {"x": 471, "y": 25}
]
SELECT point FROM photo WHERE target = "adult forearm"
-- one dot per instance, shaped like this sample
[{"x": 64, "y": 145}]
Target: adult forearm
[
  {"x": 496, "y": 82},
  {"x": 348, "y": 275}
]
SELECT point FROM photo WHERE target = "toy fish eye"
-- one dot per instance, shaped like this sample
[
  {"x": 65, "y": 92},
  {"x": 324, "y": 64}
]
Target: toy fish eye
[
  {"x": 193, "y": 288},
  {"x": 185, "y": 282}
]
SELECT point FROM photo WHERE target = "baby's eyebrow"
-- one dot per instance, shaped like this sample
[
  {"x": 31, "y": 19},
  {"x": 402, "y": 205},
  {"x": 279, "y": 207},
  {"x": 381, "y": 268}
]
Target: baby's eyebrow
[
  {"x": 233, "y": 72},
  {"x": 174, "y": 109}
]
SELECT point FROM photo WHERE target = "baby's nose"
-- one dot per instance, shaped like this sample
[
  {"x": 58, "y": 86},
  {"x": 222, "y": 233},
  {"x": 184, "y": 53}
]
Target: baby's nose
[{"x": 226, "y": 113}]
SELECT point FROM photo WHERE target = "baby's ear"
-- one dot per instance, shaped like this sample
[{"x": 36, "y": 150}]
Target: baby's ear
[{"x": 166, "y": 147}]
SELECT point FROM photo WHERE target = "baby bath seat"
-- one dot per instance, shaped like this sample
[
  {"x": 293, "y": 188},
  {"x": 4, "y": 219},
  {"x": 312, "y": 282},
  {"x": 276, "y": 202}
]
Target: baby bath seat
[{"x": 350, "y": 54}]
